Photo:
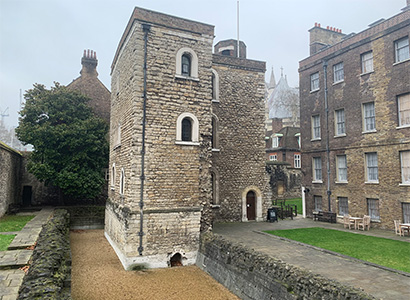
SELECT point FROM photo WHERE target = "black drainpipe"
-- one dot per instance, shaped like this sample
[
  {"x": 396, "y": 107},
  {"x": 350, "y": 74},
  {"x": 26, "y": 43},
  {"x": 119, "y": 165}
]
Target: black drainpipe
[
  {"x": 146, "y": 28},
  {"x": 327, "y": 136}
]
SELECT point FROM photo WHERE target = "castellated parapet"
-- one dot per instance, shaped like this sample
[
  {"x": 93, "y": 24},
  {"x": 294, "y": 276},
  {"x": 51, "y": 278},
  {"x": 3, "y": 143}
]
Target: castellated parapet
[{"x": 162, "y": 185}]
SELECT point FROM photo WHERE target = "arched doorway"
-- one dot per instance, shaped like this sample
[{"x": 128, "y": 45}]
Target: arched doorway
[{"x": 251, "y": 205}]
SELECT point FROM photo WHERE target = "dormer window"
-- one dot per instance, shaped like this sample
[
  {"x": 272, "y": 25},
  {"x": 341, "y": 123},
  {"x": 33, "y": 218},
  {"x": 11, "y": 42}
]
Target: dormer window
[{"x": 186, "y": 65}]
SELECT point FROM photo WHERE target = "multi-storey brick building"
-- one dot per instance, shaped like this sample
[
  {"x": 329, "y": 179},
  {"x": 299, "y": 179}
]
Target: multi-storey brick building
[
  {"x": 186, "y": 139},
  {"x": 355, "y": 121}
]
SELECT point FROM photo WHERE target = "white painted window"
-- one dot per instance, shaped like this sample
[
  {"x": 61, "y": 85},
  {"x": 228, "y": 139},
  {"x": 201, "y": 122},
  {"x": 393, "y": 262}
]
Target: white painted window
[
  {"x": 404, "y": 110},
  {"x": 273, "y": 157},
  {"x": 340, "y": 122},
  {"x": 316, "y": 127},
  {"x": 187, "y": 130},
  {"x": 405, "y": 166},
  {"x": 341, "y": 164},
  {"x": 317, "y": 169},
  {"x": 317, "y": 202},
  {"x": 186, "y": 64},
  {"x": 373, "y": 209},
  {"x": 401, "y": 48},
  {"x": 343, "y": 206},
  {"x": 367, "y": 62},
  {"x": 113, "y": 176},
  {"x": 275, "y": 141},
  {"x": 372, "y": 172},
  {"x": 338, "y": 72},
  {"x": 296, "y": 161},
  {"x": 314, "y": 82},
  {"x": 369, "y": 117}
]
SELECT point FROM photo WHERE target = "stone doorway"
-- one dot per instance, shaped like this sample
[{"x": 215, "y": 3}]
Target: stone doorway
[
  {"x": 176, "y": 260},
  {"x": 251, "y": 205}
]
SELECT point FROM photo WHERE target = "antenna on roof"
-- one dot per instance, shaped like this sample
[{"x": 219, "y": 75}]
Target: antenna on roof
[{"x": 237, "y": 21}]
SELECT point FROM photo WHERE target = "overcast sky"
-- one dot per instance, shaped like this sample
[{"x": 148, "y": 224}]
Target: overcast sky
[{"x": 42, "y": 41}]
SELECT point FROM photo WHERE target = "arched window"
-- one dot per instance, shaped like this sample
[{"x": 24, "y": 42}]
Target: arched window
[
  {"x": 113, "y": 176},
  {"x": 215, "y": 86},
  {"x": 186, "y": 133},
  {"x": 215, "y": 134},
  {"x": 122, "y": 179},
  {"x": 187, "y": 130},
  {"x": 186, "y": 65},
  {"x": 215, "y": 188}
]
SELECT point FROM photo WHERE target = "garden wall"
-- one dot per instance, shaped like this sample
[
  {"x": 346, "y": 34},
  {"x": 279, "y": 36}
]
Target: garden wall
[
  {"x": 50, "y": 270},
  {"x": 252, "y": 275}
]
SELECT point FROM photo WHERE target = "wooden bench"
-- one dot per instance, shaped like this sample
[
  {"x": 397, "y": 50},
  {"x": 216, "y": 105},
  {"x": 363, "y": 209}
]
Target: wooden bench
[{"x": 324, "y": 216}]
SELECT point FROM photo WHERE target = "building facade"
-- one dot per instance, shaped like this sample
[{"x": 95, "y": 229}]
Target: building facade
[
  {"x": 355, "y": 121},
  {"x": 179, "y": 114}
]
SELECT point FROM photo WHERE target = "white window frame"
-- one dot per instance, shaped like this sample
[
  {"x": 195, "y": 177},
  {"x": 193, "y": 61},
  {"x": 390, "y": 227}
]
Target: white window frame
[
  {"x": 340, "y": 123},
  {"x": 405, "y": 208},
  {"x": 405, "y": 167},
  {"x": 372, "y": 168},
  {"x": 317, "y": 170},
  {"x": 296, "y": 161},
  {"x": 195, "y": 130},
  {"x": 316, "y": 132},
  {"x": 341, "y": 168},
  {"x": 367, "y": 62},
  {"x": 369, "y": 117},
  {"x": 373, "y": 208},
  {"x": 343, "y": 206},
  {"x": 317, "y": 201},
  {"x": 194, "y": 64},
  {"x": 113, "y": 176},
  {"x": 403, "y": 106},
  {"x": 401, "y": 50},
  {"x": 273, "y": 157},
  {"x": 314, "y": 82},
  {"x": 275, "y": 141},
  {"x": 338, "y": 73},
  {"x": 215, "y": 86}
]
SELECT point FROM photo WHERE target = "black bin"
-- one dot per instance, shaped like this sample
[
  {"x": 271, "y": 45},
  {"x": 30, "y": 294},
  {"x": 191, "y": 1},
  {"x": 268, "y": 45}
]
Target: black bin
[{"x": 272, "y": 214}]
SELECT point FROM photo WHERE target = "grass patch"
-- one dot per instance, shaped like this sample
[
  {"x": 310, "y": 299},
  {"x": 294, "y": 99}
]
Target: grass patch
[
  {"x": 5, "y": 240},
  {"x": 13, "y": 223},
  {"x": 385, "y": 252},
  {"x": 296, "y": 201}
]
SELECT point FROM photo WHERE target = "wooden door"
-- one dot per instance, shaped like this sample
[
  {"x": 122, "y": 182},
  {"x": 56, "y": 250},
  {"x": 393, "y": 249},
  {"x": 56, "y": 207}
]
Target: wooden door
[
  {"x": 251, "y": 205},
  {"x": 27, "y": 194}
]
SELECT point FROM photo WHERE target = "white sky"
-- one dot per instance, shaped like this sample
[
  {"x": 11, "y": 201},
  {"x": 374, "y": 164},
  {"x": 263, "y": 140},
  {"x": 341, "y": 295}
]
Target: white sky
[{"x": 42, "y": 41}]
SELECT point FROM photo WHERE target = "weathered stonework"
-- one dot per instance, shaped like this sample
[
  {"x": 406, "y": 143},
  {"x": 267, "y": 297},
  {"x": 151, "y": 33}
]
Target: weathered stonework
[
  {"x": 383, "y": 85},
  {"x": 160, "y": 197}
]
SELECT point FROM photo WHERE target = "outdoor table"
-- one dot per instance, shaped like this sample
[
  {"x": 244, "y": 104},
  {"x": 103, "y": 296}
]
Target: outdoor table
[
  {"x": 356, "y": 220},
  {"x": 405, "y": 225}
]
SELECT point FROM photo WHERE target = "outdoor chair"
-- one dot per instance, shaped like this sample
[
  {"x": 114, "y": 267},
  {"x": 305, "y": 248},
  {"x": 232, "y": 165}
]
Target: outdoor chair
[
  {"x": 347, "y": 222},
  {"x": 364, "y": 223},
  {"x": 397, "y": 228}
]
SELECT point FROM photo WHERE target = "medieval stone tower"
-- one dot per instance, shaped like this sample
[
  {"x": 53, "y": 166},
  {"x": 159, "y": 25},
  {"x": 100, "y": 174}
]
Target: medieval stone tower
[{"x": 174, "y": 143}]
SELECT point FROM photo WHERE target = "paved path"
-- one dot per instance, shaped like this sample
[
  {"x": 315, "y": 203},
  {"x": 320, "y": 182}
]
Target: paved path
[
  {"x": 380, "y": 283},
  {"x": 17, "y": 256}
]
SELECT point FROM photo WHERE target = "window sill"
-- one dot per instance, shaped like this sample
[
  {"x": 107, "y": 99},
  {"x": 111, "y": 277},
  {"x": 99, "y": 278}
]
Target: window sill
[
  {"x": 112, "y": 188},
  {"x": 215, "y": 100},
  {"x": 403, "y": 126},
  {"x": 215, "y": 150},
  {"x": 370, "y": 131},
  {"x": 375, "y": 220},
  {"x": 341, "y": 182},
  {"x": 315, "y": 140},
  {"x": 400, "y": 62},
  {"x": 185, "y": 143},
  {"x": 367, "y": 73},
  {"x": 317, "y": 181},
  {"x": 186, "y": 77},
  {"x": 371, "y": 182},
  {"x": 337, "y": 82},
  {"x": 314, "y": 91},
  {"x": 404, "y": 184},
  {"x": 340, "y": 135}
]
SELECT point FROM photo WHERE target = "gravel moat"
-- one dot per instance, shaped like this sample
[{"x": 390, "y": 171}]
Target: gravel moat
[{"x": 97, "y": 273}]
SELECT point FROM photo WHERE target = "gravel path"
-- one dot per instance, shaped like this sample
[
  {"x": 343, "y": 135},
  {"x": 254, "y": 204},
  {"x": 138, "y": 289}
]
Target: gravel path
[{"x": 97, "y": 273}]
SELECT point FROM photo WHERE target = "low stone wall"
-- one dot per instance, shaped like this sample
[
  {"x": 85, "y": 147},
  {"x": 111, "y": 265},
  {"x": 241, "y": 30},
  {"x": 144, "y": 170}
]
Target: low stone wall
[
  {"x": 50, "y": 271},
  {"x": 252, "y": 275}
]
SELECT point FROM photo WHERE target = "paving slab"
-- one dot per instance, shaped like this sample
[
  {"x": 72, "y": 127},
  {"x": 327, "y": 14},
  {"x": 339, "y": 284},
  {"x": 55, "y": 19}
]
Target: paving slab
[{"x": 379, "y": 282}]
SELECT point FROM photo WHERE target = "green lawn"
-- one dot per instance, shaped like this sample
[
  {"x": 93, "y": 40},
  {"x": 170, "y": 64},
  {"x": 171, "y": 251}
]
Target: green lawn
[
  {"x": 385, "y": 252},
  {"x": 13, "y": 223},
  {"x": 296, "y": 201},
  {"x": 5, "y": 240}
]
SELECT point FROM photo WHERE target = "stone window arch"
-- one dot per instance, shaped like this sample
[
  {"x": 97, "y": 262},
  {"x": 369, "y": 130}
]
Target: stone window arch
[
  {"x": 215, "y": 133},
  {"x": 113, "y": 176},
  {"x": 215, "y": 86},
  {"x": 122, "y": 181},
  {"x": 258, "y": 202},
  {"x": 186, "y": 58},
  {"x": 187, "y": 129}
]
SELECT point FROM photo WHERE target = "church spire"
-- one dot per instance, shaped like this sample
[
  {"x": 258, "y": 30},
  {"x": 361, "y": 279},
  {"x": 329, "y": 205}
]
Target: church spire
[{"x": 272, "y": 82}]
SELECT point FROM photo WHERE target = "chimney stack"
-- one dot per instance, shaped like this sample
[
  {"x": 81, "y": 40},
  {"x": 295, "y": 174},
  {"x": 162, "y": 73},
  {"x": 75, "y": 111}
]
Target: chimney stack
[
  {"x": 89, "y": 62},
  {"x": 321, "y": 37}
]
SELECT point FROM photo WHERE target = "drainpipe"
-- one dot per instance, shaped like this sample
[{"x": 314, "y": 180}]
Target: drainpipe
[
  {"x": 146, "y": 28},
  {"x": 327, "y": 135}
]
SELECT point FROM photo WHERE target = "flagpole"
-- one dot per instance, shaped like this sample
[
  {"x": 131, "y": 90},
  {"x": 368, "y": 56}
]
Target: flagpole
[{"x": 237, "y": 25}]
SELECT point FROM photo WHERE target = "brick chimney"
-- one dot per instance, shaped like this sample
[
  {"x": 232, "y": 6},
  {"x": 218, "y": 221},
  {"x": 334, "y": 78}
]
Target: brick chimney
[
  {"x": 89, "y": 62},
  {"x": 323, "y": 37}
]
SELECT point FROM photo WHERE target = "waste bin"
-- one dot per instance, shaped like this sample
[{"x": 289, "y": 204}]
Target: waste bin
[{"x": 272, "y": 214}]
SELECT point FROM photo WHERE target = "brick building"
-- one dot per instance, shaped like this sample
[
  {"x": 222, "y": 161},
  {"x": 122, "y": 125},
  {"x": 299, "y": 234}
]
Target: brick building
[
  {"x": 186, "y": 140},
  {"x": 355, "y": 118}
]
